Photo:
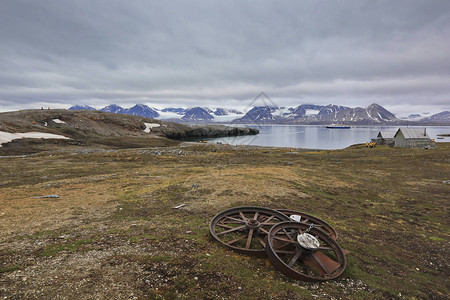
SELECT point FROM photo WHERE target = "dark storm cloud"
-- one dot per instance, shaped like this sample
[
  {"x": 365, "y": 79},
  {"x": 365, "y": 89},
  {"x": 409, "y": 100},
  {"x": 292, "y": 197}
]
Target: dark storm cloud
[{"x": 224, "y": 52}]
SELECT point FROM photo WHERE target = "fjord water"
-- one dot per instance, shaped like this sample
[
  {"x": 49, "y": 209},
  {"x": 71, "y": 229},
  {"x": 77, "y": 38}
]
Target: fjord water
[{"x": 318, "y": 136}]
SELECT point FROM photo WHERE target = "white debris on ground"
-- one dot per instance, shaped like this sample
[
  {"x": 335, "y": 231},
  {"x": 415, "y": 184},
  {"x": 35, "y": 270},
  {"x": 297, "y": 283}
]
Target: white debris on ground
[
  {"x": 6, "y": 137},
  {"x": 149, "y": 126},
  {"x": 58, "y": 121}
]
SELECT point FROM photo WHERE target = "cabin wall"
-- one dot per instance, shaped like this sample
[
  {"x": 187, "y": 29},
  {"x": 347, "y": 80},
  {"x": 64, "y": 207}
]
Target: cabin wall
[
  {"x": 381, "y": 141},
  {"x": 401, "y": 142}
]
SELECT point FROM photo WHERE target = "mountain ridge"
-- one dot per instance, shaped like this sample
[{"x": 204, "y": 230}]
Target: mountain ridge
[{"x": 308, "y": 114}]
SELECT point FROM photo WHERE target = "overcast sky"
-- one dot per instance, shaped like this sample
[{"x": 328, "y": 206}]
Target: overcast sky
[{"x": 223, "y": 53}]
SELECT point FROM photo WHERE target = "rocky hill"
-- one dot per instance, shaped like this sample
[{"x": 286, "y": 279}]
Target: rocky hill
[{"x": 91, "y": 127}]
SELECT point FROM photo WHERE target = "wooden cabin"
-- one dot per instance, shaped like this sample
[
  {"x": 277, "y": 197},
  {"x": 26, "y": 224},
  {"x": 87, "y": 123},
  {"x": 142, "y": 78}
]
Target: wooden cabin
[
  {"x": 413, "y": 138},
  {"x": 385, "y": 138}
]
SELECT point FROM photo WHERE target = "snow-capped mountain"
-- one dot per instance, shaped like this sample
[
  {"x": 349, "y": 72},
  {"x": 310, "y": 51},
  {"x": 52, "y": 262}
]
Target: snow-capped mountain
[
  {"x": 439, "y": 118},
  {"x": 142, "y": 110},
  {"x": 260, "y": 114},
  {"x": 313, "y": 112},
  {"x": 220, "y": 112},
  {"x": 330, "y": 111},
  {"x": 373, "y": 114},
  {"x": 81, "y": 107},
  {"x": 226, "y": 112},
  {"x": 113, "y": 108},
  {"x": 197, "y": 114}
]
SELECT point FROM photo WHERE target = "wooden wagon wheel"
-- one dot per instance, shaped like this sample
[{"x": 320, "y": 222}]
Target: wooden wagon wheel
[
  {"x": 302, "y": 252},
  {"x": 244, "y": 228}
]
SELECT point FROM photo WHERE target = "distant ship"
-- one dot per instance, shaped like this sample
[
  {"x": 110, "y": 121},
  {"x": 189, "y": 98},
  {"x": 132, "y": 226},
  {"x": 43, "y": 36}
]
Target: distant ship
[{"x": 338, "y": 126}]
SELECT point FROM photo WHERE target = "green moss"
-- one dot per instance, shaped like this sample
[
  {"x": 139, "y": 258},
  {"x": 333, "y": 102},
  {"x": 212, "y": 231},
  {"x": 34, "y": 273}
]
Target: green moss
[
  {"x": 54, "y": 249},
  {"x": 437, "y": 239},
  {"x": 10, "y": 269}
]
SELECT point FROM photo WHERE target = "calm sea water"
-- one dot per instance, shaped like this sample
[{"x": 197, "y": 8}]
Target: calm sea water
[{"x": 318, "y": 136}]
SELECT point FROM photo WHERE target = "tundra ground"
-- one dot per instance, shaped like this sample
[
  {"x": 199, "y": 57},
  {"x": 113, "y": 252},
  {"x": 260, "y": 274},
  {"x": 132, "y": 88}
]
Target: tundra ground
[{"x": 113, "y": 232}]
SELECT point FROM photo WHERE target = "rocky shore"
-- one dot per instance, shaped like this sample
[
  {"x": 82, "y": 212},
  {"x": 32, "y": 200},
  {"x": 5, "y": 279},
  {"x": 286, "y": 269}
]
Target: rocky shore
[{"x": 207, "y": 131}]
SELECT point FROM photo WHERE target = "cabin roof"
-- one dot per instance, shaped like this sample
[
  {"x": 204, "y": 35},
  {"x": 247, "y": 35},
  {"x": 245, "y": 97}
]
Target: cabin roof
[
  {"x": 386, "y": 134},
  {"x": 413, "y": 133}
]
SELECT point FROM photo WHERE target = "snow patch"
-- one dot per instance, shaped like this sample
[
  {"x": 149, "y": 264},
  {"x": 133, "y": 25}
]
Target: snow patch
[
  {"x": 149, "y": 126},
  {"x": 311, "y": 112},
  {"x": 226, "y": 118},
  {"x": 169, "y": 115},
  {"x": 6, "y": 137},
  {"x": 281, "y": 111},
  {"x": 58, "y": 121}
]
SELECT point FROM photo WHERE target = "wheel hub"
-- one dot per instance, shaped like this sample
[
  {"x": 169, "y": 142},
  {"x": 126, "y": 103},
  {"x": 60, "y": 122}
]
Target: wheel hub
[
  {"x": 253, "y": 224},
  {"x": 308, "y": 242}
]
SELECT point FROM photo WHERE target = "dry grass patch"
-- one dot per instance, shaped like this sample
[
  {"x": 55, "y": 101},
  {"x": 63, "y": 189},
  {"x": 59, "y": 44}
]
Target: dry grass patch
[{"x": 22, "y": 213}]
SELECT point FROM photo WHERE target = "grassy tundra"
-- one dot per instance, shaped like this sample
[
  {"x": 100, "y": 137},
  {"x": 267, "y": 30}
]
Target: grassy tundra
[{"x": 113, "y": 233}]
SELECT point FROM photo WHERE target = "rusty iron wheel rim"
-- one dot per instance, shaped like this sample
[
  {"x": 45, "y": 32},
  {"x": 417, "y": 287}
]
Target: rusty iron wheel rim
[
  {"x": 286, "y": 255},
  {"x": 245, "y": 228},
  {"x": 310, "y": 219}
]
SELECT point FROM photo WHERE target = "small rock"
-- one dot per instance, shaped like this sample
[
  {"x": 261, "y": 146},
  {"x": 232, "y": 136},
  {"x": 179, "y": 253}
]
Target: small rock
[
  {"x": 195, "y": 278},
  {"x": 48, "y": 196}
]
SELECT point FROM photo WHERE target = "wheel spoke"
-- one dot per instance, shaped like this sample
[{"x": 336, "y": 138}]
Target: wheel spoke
[
  {"x": 231, "y": 230},
  {"x": 234, "y": 219},
  {"x": 261, "y": 242},
  {"x": 325, "y": 248},
  {"x": 268, "y": 219},
  {"x": 294, "y": 259},
  {"x": 263, "y": 230},
  {"x": 288, "y": 235},
  {"x": 224, "y": 226},
  {"x": 285, "y": 251},
  {"x": 243, "y": 216},
  {"x": 235, "y": 240},
  {"x": 249, "y": 239},
  {"x": 284, "y": 240}
]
